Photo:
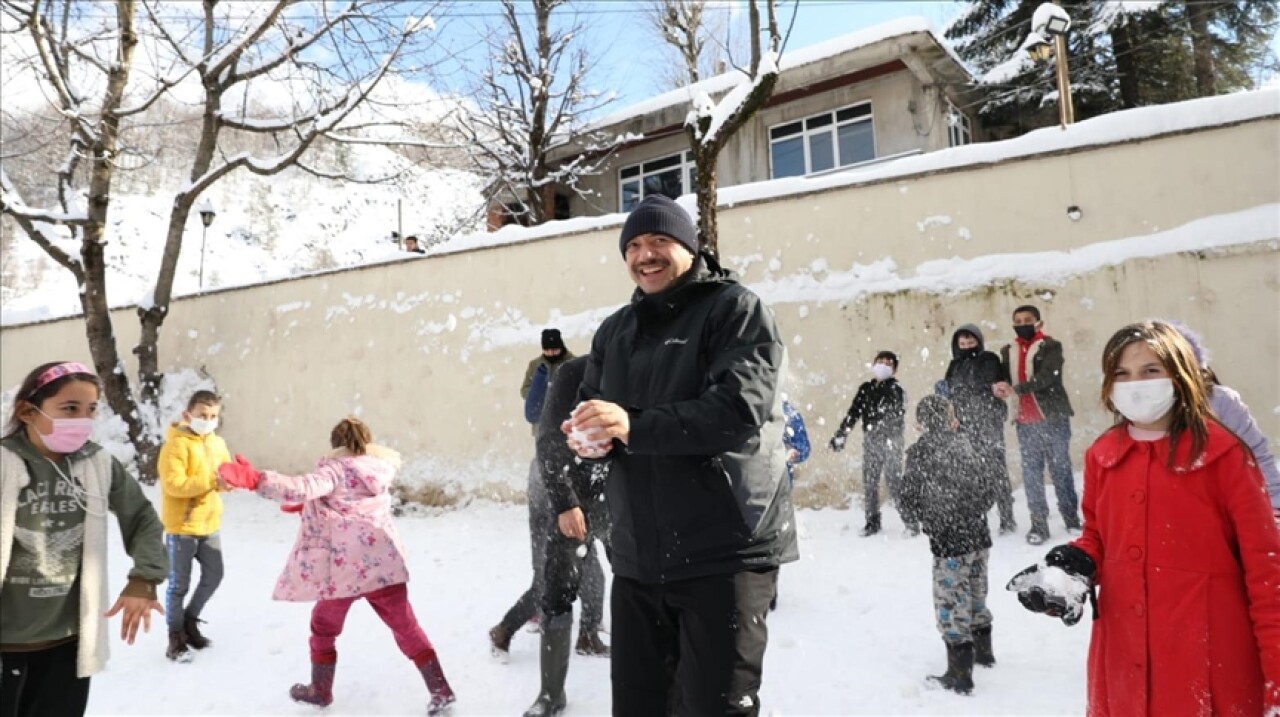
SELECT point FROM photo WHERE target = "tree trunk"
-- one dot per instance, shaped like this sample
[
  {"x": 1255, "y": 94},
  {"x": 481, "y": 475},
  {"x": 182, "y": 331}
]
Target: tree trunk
[
  {"x": 1126, "y": 65},
  {"x": 705, "y": 159},
  {"x": 1202, "y": 52}
]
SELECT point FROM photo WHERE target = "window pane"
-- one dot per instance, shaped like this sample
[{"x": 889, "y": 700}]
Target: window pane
[
  {"x": 788, "y": 158},
  {"x": 662, "y": 163},
  {"x": 857, "y": 143},
  {"x": 630, "y": 171},
  {"x": 816, "y": 122},
  {"x": 822, "y": 155},
  {"x": 692, "y": 185},
  {"x": 666, "y": 183},
  {"x": 630, "y": 195},
  {"x": 785, "y": 130},
  {"x": 849, "y": 113}
]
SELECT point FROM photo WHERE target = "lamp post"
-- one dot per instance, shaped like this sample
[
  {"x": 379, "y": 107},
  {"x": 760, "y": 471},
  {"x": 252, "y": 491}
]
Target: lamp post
[
  {"x": 206, "y": 217},
  {"x": 1050, "y": 19}
]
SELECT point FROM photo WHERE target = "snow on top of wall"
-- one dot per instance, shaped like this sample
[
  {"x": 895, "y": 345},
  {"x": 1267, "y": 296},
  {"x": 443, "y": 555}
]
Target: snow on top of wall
[
  {"x": 1107, "y": 129},
  {"x": 945, "y": 276},
  {"x": 790, "y": 59}
]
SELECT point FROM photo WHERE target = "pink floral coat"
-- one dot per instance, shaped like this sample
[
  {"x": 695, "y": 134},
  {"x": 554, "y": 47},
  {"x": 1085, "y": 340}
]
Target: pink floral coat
[{"x": 347, "y": 545}]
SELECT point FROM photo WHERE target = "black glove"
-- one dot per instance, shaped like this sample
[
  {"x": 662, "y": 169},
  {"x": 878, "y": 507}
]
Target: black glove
[
  {"x": 1060, "y": 589},
  {"x": 837, "y": 443}
]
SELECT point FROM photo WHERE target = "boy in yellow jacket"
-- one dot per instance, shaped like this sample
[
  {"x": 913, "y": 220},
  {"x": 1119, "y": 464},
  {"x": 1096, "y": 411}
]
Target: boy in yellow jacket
[{"x": 192, "y": 514}]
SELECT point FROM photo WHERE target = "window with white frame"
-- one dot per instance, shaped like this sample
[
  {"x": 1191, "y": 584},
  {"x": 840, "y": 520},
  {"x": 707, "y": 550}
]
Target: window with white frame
[
  {"x": 958, "y": 128},
  {"x": 816, "y": 144},
  {"x": 671, "y": 176}
]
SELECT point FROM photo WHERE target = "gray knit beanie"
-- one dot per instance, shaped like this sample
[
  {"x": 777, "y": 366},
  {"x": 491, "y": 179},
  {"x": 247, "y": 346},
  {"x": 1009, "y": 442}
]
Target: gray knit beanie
[{"x": 657, "y": 214}]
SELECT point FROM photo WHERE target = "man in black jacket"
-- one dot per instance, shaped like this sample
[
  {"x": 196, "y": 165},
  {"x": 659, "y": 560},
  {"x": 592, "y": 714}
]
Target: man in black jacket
[
  {"x": 681, "y": 396},
  {"x": 971, "y": 384},
  {"x": 881, "y": 404},
  {"x": 575, "y": 491}
]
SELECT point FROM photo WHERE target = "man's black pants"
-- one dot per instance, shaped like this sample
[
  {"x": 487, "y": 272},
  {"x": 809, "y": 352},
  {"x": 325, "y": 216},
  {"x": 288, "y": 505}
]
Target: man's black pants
[{"x": 691, "y": 647}]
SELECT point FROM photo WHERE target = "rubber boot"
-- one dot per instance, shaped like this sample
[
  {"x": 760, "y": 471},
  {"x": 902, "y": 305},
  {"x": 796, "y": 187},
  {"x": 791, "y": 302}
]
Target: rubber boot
[
  {"x": 320, "y": 691},
  {"x": 959, "y": 675},
  {"x": 442, "y": 696},
  {"x": 982, "y": 653},
  {"x": 556, "y": 633}
]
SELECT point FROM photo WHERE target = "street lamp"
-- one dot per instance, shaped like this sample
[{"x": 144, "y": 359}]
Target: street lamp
[
  {"x": 206, "y": 217},
  {"x": 1050, "y": 19}
]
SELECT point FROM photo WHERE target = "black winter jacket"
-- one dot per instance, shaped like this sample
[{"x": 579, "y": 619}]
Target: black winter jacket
[
  {"x": 970, "y": 377},
  {"x": 570, "y": 482},
  {"x": 702, "y": 488},
  {"x": 943, "y": 483},
  {"x": 880, "y": 405},
  {"x": 1044, "y": 377}
]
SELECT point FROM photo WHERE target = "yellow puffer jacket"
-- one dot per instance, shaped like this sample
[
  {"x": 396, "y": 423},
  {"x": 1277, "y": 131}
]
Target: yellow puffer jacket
[{"x": 189, "y": 480}]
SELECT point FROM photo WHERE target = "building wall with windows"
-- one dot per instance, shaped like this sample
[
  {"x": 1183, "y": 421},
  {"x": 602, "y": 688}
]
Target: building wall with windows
[{"x": 890, "y": 115}]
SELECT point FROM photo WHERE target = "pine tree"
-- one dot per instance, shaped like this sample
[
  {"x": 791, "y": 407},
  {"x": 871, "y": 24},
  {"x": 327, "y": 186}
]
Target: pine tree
[{"x": 1120, "y": 55}]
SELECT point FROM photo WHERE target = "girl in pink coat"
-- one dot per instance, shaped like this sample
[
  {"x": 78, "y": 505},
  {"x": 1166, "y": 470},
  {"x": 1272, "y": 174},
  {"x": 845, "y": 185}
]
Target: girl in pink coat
[{"x": 347, "y": 549}]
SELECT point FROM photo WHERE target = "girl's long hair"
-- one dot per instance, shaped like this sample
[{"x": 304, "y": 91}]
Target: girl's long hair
[{"x": 1190, "y": 412}]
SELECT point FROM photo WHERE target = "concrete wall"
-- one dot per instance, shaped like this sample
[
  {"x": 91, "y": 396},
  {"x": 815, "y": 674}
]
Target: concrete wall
[{"x": 431, "y": 350}]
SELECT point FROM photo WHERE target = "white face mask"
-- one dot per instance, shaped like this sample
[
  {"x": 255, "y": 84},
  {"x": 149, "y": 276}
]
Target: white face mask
[
  {"x": 881, "y": 371},
  {"x": 1143, "y": 401},
  {"x": 203, "y": 427}
]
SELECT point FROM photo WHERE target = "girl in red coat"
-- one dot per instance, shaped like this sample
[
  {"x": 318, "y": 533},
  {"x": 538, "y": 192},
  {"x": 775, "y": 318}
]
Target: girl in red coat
[{"x": 1179, "y": 543}]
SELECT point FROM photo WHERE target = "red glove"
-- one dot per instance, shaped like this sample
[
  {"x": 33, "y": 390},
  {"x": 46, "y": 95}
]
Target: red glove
[
  {"x": 240, "y": 474},
  {"x": 291, "y": 507}
]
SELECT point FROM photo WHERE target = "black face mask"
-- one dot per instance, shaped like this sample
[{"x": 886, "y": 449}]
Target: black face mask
[{"x": 1026, "y": 332}]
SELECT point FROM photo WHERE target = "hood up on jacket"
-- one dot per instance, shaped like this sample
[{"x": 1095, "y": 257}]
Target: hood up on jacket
[
  {"x": 376, "y": 469},
  {"x": 967, "y": 329}
]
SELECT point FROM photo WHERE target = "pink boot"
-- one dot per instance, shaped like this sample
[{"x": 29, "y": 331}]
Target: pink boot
[
  {"x": 441, "y": 694},
  {"x": 320, "y": 691}
]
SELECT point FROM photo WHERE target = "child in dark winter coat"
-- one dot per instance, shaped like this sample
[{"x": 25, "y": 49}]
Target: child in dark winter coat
[
  {"x": 347, "y": 550},
  {"x": 881, "y": 405},
  {"x": 945, "y": 486}
]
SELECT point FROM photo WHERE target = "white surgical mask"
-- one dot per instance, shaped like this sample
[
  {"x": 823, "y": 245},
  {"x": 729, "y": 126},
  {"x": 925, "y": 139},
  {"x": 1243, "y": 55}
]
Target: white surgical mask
[
  {"x": 202, "y": 426},
  {"x": 881, "y": 371},
  {"x": 1143, "y": 401}
]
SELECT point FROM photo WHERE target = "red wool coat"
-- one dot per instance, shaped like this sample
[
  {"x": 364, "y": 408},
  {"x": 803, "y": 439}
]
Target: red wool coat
[{"x": 1188, "y": 579}]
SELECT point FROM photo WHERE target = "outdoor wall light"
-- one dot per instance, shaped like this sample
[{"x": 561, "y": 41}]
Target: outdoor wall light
[{"x": 1074, "y": 213}]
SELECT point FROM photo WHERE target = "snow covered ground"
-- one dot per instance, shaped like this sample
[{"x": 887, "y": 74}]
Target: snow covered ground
[{"x": 853, "y": 634}]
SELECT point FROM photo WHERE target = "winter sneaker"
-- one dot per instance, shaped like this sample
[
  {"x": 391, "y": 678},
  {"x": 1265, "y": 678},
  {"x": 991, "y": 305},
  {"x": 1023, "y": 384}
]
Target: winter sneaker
[
  {"x": 590, "y": 644},
  {"x": 872, "y": 527},
  {"x": 1039, "y": 532},
  {"x": 177, "y": 650},
  {"x": 191, "y": 626},
  {"x": 500, "y": 642},
  {"x": 959, "y": 675},
  {"x": 982, "y": 652},
  {"x": 534, "y": 626},
  {"x": 441, "y": 693},
  {"x": 320, "y": 691}
]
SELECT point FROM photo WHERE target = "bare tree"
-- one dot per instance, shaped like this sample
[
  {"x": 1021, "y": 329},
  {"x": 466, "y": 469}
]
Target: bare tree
[
  {"x": 702, "y": 35},
  {"x": 330, "y": 57},
  {"x": 532, "y": 96},
  {"x": 711, "y": 124}
]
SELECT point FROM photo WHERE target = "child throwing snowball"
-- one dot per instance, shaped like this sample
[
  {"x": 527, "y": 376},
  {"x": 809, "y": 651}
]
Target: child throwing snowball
[
  {"x": 347, "y": 550},
  {"x": 56, "y": 488}
]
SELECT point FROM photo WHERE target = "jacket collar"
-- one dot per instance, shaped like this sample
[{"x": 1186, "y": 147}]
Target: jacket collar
[{"x": 1116, "y": 443}]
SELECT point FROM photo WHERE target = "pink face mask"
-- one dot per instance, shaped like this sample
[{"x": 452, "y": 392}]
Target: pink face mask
[{"x": 69, "y": 434}]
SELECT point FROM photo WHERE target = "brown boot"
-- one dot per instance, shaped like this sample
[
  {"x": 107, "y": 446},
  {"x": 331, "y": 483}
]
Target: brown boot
[
  {"x": 500, "y": 642},
  {"x": 590, "y": 644},
  {"x": 177, "y": 650}
]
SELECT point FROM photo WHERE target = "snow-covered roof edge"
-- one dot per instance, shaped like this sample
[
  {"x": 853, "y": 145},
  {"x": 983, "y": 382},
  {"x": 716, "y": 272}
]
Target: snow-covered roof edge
[
  {"x": 791, "y": 59},
  {"x": 1115, "y": 128}
]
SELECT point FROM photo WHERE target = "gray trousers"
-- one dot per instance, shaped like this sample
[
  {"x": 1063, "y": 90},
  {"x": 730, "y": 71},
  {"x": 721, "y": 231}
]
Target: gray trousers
[
  {"x": 543, "y": 531},
  {"x": 183, "y": 551}
]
